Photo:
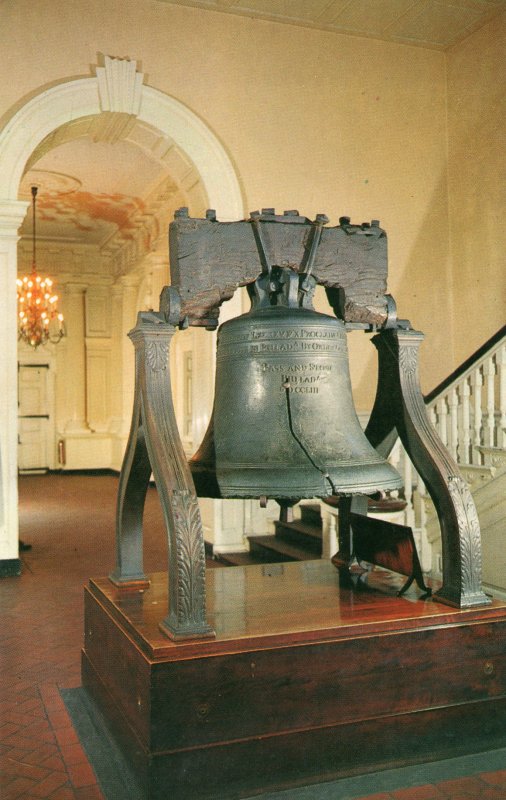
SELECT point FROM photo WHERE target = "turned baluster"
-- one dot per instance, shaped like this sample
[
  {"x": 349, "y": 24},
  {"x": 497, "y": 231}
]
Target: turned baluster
[
  {"x": 453, "y": 403},
  {"x": 442, "y": 414},
  {"x": 477, "y": 383},
  {"x": 501, "y": 364},
  {"x": 489, "y": 372},
  {"x": 408, "y": 491},
  {"x": 465, "y": 427}
]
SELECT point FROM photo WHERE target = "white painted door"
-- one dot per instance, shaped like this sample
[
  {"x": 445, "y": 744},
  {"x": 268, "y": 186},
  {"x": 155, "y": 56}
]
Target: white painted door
[{"x": 33, "y": 417}]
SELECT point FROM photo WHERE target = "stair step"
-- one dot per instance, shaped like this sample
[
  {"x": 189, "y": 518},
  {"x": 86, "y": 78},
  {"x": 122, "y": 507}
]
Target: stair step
[
  {"x": 494, "y": 457},
  {"x": 301, "y": 534},
  {"x": 235, "y": 559},
  {"x": 476, "y": 475},
  {"x": 311, "y": 513},
  {"x": 272, "y": 548}
]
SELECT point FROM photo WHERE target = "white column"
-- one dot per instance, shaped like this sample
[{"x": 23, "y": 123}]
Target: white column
[
  {"x": 130, "y": 286},
  {"x": 330, "y": 541},
  {"x": 75, "y": 357},
  {"x": 12, "y": 214},
  {"x": 124, "y": 297},
  {"x": 156, "y": 273}
]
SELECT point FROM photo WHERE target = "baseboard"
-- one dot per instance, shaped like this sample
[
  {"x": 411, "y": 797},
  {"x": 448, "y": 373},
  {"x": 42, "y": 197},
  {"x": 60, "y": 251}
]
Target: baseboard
[
  {"x": 10, "y": 567},
  {"x": 96, "y": 471},
  {"x": 498, "y": 592}
]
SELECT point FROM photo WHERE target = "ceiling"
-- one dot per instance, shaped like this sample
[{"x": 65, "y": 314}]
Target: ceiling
[
  {"x": 436, "y": 24},
  {"x": 94, "y": 190},
  {"x": 88, "y": 190},
  {"x": 98, "y": 192}
]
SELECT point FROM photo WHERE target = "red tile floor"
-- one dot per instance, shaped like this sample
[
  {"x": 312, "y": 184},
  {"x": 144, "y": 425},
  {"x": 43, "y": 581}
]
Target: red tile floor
[{"x": 69, "y": 520}]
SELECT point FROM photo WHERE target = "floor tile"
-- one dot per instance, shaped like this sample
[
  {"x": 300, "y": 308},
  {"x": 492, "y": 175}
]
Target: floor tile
[
  {"x": 497, "y": 778},
  {"x": 427, "y": 792},
  {"x": 45, "y": 788},
  {"x": 15, "y": 788},
  {"x": 469, "y": 784},
  {"x": 81, "y": 775}
]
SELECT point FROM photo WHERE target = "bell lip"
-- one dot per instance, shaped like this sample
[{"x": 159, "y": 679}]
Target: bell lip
[
  {"x": 274, "y": 495},
  {"x": 305, "y": 490}
]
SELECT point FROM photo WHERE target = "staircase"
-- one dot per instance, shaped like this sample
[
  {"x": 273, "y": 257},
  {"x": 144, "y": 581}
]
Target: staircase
[
  {"x": 469, "y": 412},
  {"x": 299, "y": 540}
]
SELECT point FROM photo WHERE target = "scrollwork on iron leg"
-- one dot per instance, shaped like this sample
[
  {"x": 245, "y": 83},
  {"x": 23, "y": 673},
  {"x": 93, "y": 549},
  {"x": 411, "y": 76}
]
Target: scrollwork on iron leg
[
  {"x": 186, "y": 610},
  {"x": 399, "y": 389},
  {"x": 186, "y": 552}
]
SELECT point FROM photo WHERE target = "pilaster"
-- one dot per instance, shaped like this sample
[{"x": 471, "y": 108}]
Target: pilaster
[
  {"x": 75, "y": 386},
  {"x": 12, "y": 214},
  {"x": 124, "y": 294}
]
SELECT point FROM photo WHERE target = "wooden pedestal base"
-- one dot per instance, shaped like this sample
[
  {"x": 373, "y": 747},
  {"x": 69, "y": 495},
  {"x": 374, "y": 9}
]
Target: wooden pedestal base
[{"x": 307, "y": 680}]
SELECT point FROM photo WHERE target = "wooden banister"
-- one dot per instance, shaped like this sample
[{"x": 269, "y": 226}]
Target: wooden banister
[{"x": 467, "y": 364}]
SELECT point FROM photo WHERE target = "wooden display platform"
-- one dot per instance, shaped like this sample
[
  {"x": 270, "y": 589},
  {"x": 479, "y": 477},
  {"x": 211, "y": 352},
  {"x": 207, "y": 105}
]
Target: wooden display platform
[{"x": 307, "y": 680}]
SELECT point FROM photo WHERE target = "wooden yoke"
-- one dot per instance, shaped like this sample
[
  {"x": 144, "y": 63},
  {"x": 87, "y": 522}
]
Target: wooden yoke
[{"x": 209, "y": 261}]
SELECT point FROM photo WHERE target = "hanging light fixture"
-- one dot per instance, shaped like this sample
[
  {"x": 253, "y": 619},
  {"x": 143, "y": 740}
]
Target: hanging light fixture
[{"x": 38, "y": 318}]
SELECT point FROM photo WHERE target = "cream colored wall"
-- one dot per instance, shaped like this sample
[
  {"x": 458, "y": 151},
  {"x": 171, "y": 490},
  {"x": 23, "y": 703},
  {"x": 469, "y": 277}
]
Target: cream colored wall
[
  {"x": 311, "y": 120},
  {"x": 477, "y": 184},
  {"x": 86, "y": 361}
]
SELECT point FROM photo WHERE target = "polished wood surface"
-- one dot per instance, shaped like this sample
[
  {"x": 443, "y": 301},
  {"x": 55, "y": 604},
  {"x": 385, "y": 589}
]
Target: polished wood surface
[
  {"x": 274, "y": 604},
  {"x": 308, "y": 679},
  {"x": 230, "y": 770}
]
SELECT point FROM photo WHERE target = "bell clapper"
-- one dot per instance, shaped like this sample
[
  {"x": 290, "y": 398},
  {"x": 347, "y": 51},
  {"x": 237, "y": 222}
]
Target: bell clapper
[{"x": 286, "y": 509}]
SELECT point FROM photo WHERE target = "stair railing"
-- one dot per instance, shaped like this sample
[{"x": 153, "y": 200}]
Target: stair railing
[{"x": 468, "y": 410}]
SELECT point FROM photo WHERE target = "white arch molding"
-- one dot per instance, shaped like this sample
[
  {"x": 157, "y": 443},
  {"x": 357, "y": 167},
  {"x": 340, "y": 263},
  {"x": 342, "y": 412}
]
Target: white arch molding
[{"x": 39, "y": 117}]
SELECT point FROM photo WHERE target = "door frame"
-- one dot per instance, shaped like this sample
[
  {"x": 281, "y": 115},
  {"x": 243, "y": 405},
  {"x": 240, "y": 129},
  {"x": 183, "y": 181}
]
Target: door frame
[{"x": 27, "y": 357}]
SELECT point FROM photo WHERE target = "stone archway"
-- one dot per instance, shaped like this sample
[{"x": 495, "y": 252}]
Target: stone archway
[{"x": 116, "y": 90}]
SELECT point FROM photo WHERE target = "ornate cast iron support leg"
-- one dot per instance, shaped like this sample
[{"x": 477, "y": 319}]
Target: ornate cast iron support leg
[
  {"x": 155, "y": 441},
  {"x": 133, "y": 485},
  {"x": 399, "y": 406}
]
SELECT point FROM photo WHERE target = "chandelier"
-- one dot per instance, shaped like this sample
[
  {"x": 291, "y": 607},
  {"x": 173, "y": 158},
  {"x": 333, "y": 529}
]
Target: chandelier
[{"x": 38, "y": 318}]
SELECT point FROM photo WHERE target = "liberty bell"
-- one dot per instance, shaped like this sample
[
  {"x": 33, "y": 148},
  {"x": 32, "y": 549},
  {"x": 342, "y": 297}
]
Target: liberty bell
[{"x": 284, "y": 425}]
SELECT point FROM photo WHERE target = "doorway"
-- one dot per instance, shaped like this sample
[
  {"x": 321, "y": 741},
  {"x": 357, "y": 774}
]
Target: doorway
[{"x": 35, "y": 418}]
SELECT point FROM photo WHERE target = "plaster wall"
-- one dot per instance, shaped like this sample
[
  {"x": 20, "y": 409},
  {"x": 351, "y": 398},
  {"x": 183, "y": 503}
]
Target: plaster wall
[
  {"x": 477, "y": 184},
  {"x": 310, "y": 119}
]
